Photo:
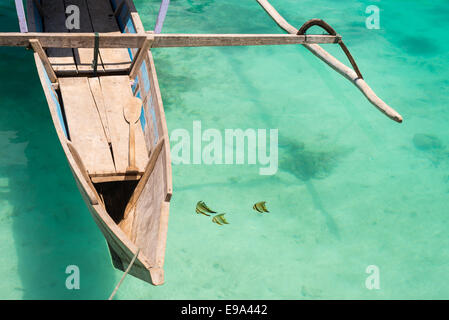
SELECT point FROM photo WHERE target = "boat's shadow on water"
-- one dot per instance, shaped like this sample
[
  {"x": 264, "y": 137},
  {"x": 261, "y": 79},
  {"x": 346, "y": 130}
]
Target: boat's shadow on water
[{"x": 52, "y": 227}]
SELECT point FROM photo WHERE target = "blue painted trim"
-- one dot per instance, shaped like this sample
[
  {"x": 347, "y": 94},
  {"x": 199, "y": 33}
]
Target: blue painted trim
[
  {"x": 145, "y": 77},
  {"x": 153, "y": 116},
  {"x": 55, "y": 100},
  {"x": 143, "y": 121}
]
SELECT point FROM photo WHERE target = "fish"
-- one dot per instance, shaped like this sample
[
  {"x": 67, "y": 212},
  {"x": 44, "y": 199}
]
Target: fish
[
  {"x": 202, "y": 208},
  {"x": 200, "y": 212},
  {"x": 260, "y": 207},
  {"x": 220, "y": 219}
]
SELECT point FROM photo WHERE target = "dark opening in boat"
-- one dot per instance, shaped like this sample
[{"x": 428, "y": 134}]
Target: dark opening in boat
[{"x": 116, "y": 195}]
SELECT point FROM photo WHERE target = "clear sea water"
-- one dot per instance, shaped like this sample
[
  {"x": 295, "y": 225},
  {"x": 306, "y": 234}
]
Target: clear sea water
[{"x": 353, "y": 189}]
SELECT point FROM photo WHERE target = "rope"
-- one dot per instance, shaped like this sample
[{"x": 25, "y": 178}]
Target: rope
[
  {"x": 124, "y": 275},
  {"x": 96, "y": 51},
  {"x": 324, "y": 25}
]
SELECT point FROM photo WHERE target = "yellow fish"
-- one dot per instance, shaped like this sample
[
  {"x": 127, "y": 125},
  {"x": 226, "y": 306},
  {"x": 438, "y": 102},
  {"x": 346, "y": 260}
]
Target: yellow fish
[
  {"x": 260, "y": 207},
  {"x": 220, "y": 219},
  {"x": 202, "y": 208},
  {"x": 200, "y": 212}
]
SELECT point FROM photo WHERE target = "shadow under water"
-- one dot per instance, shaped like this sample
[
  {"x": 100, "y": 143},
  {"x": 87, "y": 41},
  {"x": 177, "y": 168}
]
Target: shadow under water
[
  {"x": 432, "y": 147},
  {"x": 307, "y": 165},
  {"x": 51, "y": 226}
]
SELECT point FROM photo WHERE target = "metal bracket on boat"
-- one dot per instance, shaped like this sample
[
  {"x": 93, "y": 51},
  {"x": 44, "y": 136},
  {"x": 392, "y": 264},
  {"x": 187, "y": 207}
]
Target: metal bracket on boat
[{"x": 324, "y": 25}]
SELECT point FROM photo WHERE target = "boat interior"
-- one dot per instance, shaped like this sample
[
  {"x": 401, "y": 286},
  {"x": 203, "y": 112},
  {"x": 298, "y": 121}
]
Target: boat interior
[
  {"x": 92, "y": 102},
  {"x": 95, "y": 16}
]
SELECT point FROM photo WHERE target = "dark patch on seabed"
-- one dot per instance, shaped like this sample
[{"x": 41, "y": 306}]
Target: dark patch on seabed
[
  {"x": 419, "y": 45},
  {"x": 173, "y": 81},
  {"x": 431, "y": 146},
  {"x": 51, "y": 225},
  {"x": 198, "y": 6},
  {"x": 307, "y": 165}
]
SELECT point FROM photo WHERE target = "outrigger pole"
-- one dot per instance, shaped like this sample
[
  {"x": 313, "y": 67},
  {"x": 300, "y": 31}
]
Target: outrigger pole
[
  {"x": 352, "y": 75},
  {"x": 148, "y": 40},
  {"x": 111, "y": 40}
]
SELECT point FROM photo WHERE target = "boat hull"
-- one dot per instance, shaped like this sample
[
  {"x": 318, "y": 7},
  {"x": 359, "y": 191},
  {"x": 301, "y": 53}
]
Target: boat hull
[{"x": 147, "y": 229}]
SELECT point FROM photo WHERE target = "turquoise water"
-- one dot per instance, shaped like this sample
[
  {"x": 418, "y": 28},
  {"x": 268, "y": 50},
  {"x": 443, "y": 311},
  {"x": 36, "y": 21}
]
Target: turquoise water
[{"x": 353, "y": 188}]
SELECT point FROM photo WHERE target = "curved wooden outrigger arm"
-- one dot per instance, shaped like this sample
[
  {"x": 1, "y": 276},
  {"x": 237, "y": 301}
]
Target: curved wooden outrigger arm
[{"x": 354, "y": 76}]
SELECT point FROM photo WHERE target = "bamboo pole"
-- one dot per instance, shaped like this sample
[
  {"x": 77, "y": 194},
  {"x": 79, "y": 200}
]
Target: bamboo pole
[{"x": 335, "y": 64}]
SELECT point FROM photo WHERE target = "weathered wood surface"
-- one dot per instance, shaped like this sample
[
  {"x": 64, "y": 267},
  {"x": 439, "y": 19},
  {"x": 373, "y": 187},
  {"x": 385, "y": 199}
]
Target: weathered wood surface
[
  {"x": 62, "y": 59},
  {"x": 139, "y": 58},
  {"x": 335, "y": 64},
  {"x": 44, "y": 58},
  {"x": 95, "y": 88},
  {"x": 90, "y": 195},
  {"x": 103, "y": 21},
  {"x": 121, "y": 247},
  {"x": 120, "y": 176},
  {"x": 135, "y": 18},
  {"x": 112, "y": 40},
  {"x": 116, "y": 92},
  {"x": 143, "y": 181},
  {"x": 84, "y": 124},
  {"x": 84, "y": 56},
  {"x": 147, "y": 217},
  {"x": 205, "y": 40},
  {"x": 162, "y": 126},
  {"x": 132, "y": 110},
  {"x": 128, "y": 217}
]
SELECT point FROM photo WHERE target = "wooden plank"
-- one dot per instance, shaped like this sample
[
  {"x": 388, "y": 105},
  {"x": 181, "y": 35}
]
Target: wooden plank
[
  {"x": 54, "y": 21},
  {"x": 212, "y": 40},
  {"x": 84, "y": 56},
  {"x": 103, "y": 21},
  {"x": 123, "y": 247},
  {"x": 44, "y": 58},
  {"x": 139, "y": 58},
  {"x": 147, "y": 218},
  {"x": 117, "y": 177},
  {"x": 72, "y": 40},
  {"x": 162, "y": 126},
  {"x": 141, "y": 185},
  {"x": 95, "y": 88},
  {"x": 129, "y": 40},
  {"x": 84, "y": 125},
  {"x": 116, "y": 92},
  {"x": 135, "y": 18}
]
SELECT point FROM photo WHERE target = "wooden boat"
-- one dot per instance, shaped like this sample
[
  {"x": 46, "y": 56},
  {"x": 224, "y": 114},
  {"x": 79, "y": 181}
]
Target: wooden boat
[
  {"x": 130, "y": 207},
  {"x": 103, "y": 94}
]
